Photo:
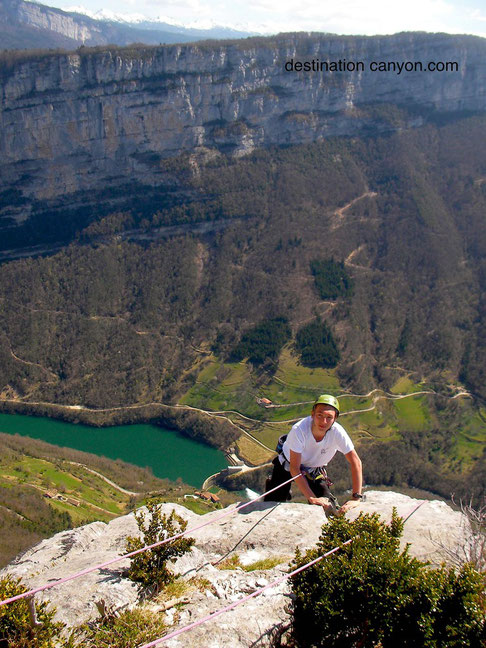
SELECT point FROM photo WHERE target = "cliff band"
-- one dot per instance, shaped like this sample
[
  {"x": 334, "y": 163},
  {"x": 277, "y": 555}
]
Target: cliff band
[{"x": 76, "y": 123}]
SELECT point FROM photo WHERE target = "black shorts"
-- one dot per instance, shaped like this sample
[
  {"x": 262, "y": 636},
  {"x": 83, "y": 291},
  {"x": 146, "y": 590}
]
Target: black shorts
[{"x": 279, "y": 476}]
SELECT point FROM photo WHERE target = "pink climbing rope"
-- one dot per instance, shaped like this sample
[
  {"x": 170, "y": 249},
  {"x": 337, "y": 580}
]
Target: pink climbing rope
[
  {"x": 88, "y": 570},
  {"x": 213, "y": 615},
  {"x": 208, "y": 617}
]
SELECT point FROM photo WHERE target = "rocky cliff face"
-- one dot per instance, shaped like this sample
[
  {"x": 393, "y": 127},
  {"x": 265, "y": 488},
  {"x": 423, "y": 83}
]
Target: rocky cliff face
[
  {"x": 91, "y": 121},
  {"x": 25, "y": 24},
  {"x": 41, "y": 17},
  {"x": 251, "y": 534}
]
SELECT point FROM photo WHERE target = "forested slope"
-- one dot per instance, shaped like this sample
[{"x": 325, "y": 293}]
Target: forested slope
[{"x": 124, "y": 315}]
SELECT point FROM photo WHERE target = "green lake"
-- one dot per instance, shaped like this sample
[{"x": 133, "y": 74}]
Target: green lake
[{"x": 167, "y": 452}]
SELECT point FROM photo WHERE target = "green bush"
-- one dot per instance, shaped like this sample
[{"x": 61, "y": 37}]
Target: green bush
[
  {"x": 150, "y": 567},
  {"x": 15, "y": 627},
  {"x": 371, "y": 594}
]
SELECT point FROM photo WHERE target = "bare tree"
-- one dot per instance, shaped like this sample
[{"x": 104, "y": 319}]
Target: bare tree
[{"x": 472, "y": 549}]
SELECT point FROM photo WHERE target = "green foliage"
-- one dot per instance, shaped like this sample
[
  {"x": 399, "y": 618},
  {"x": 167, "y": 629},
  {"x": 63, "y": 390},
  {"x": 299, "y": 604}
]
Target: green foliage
[
  {"x": 371, "y": 594},
  {"x": 404, "y": 339},
  {"x": 29, "y": 467},
  {"x": 15, "y": 625},
  {"x": 316, "y": 345},
  {"x": 150, "y": 567},
  {"x": 264, "y": 341},
  {"x": 331, "y": 279},
  {"x": 130, "y": 628}
]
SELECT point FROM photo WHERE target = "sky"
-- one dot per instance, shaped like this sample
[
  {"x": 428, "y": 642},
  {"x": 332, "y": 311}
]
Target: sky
[{"x": 365, "y": 17}]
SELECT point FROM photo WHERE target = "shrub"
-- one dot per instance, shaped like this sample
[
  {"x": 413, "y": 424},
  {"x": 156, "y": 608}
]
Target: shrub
[
  {"x": 150, "y": 567},
  {"x": 130, "y": 628},
  {"x": 372, "y": 594},
  {"x": 15, "y": 626}
]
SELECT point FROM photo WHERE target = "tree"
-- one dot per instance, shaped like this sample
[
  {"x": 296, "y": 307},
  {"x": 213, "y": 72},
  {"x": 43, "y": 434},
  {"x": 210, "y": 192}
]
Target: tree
[
  {"x": 150, "y": 567},
  {"x": 371, "y": 594},
  {"x": 263, "y": 341},
  {"x": 316, "y": 345},
  {"x": 331, "y": 279}
]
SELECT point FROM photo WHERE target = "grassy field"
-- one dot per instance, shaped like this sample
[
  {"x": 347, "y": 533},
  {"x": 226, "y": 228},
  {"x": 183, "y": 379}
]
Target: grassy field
[
  {"x": 308, "y": 381},
  {"x": 253, "y": 452},
  {"x": 404, "y": 385},
  {"x": 224, "y": 386},
  {"x": 292, "y": 388},
  {"x": 41, "y": 493},
  {"x": 413, "y": 413},
  {"x": 83, "y": 495},
  {"x": 469, "y": 440}
]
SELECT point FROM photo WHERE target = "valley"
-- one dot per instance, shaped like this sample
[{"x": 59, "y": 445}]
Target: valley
[
  {"x": 187, "y": 230},
  {"x": 45, "y": 488}
]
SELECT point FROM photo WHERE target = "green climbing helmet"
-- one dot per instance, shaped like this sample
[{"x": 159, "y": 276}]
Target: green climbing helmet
[{"x": 327, "y": 399}]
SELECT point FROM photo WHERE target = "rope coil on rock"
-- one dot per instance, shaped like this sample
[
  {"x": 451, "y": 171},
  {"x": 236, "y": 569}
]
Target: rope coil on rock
[{"x": 88, "y": 570}]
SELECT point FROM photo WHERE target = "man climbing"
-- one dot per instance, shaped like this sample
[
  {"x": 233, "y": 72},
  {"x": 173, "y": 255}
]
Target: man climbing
[{"x": 308, "y": 448}]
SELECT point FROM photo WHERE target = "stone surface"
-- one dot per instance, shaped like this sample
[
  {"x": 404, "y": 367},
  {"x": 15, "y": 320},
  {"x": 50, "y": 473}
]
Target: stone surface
[{"x": 260, "y": 531}]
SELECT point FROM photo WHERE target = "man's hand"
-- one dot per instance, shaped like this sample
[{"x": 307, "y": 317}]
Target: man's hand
[
  {"x": 319, "y": 501},
  {"x": 347, "y": 506}
]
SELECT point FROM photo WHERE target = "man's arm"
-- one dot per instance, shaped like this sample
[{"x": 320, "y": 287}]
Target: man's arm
[{"x": 356, "y": 471}]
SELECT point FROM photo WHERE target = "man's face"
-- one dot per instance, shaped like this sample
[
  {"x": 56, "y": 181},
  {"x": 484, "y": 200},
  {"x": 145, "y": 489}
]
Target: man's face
[{"x": 323, "y": 416}]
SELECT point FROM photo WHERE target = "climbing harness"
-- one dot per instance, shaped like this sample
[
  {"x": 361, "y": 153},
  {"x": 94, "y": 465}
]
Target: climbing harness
[{"x": 318, "y": 474}]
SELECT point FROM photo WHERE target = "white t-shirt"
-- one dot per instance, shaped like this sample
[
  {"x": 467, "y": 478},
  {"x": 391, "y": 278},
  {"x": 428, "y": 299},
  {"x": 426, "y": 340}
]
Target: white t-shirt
[{"x": 316, "y": 453}]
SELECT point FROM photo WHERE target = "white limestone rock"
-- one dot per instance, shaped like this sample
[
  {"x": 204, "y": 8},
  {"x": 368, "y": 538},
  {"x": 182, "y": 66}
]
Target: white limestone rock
[{"x": 261, "y": 530}]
